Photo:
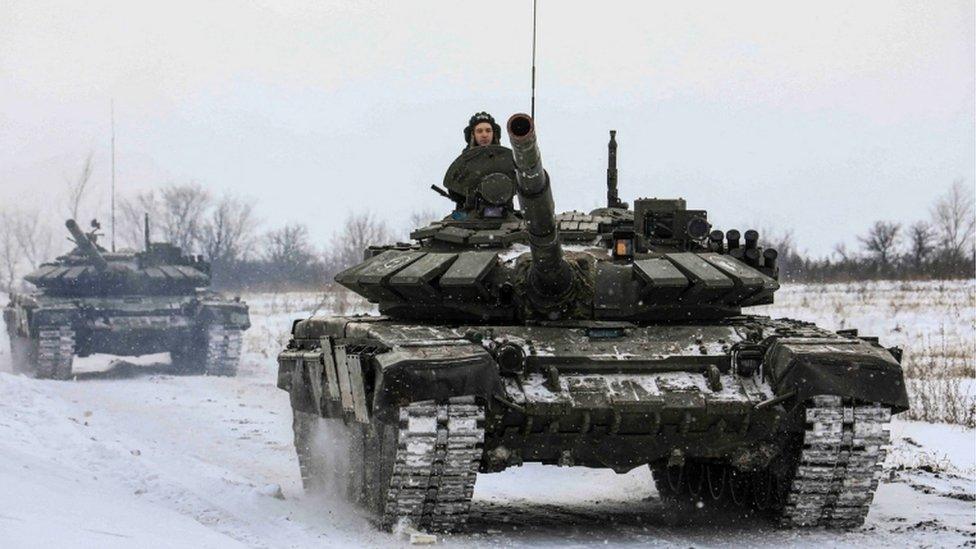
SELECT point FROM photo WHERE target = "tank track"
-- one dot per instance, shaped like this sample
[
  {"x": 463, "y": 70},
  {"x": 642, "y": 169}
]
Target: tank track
[
  {"x": 829, "y": 481},
  {"x": 439, "y": 449},
  {"x": 223, "y": 351},
  {"x": 54, "y": 352},
  {"x": 839, "y": 466}
]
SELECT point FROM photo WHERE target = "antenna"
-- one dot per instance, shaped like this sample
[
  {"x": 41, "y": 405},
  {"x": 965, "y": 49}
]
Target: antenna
[
  {"x": 534, "y": 9},
  {"x": 112, "y": 111}
]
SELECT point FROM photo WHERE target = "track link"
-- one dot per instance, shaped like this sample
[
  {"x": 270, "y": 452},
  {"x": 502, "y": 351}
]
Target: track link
[
  {"x": 55, "y": 352},
  {"x": 839, "y": 466},
  {"x": 223, "y": 351},
  {"x": 438, "y": 452}
]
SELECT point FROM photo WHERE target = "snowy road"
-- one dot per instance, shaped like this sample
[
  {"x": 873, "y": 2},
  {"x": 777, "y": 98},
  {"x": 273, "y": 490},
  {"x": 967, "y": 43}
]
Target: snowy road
[{"x": 132, "y": 456}]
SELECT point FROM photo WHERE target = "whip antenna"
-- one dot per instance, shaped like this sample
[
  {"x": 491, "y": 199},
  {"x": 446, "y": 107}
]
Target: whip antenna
[
  {"x": 534, "y": 5},
  {"x": 112, "y": 115}
]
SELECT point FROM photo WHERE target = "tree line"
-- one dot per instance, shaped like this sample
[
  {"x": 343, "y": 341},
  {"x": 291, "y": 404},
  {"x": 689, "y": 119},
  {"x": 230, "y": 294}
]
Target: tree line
[
  {"x": 225, "y": 230},
  {"x": 940, "y": 246}
]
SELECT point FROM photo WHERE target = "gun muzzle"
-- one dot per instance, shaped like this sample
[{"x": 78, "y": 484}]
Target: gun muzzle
[{"x": 549, "y": 274}]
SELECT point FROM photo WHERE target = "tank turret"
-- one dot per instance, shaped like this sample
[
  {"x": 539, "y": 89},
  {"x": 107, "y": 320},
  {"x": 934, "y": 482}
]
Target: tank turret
[
  {"x": 488, "y": 261},
  {"x": 86, "y": 246},
  {"x": 89, "y": 270},
  {"x": 549, "y": 274}
]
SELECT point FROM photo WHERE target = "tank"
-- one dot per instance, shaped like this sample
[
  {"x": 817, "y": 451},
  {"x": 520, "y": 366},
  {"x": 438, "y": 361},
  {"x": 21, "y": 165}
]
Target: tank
[
  {"x": 612, "y": 339},
  {"x": 125, "y": 303}
]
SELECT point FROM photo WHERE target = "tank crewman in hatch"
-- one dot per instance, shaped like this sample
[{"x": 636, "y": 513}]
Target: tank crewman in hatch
[
  {"x": 482, "y": 130},
  {"x": 481, "y": 180}
]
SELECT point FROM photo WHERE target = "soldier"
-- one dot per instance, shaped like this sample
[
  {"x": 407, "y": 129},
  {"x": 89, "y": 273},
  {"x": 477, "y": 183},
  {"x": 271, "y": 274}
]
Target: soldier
[{"x": 482, "y": 130}]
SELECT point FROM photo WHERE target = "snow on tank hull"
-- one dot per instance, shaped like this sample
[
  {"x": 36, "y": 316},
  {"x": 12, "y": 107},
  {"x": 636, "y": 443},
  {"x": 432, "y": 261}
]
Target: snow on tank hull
[
  {"x": 202, "y": 332},
  {"x": 705, "y": 405}
]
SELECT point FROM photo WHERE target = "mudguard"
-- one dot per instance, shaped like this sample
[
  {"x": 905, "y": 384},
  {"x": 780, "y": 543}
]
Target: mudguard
[
  {"x": 845, "y": 367},
  {"x": 230, "y": 313},
  {"x": 341, "y": 378},
  {"x": 47, "y": 316},
  {"x": 436, "y": 372}
]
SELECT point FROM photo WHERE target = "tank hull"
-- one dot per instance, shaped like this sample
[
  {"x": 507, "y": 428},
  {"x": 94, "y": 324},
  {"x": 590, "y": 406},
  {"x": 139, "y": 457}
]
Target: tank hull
[
  {"x": 731, "y": 394},
  {"x": 51, "y": 330}
]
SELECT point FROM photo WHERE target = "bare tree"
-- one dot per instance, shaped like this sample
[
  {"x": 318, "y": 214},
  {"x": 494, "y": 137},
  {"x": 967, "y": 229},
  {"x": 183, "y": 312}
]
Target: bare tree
[
  {"x": 229, "y": 231},
  {"x": 9, "y": 252},
  {"x": 34, "y": 238},
  {"x": 178, "y": 214},
  {"x": 783, "y": 241},
  {"x": 288, "y": 246},
  {"x": 78, "y": 187},
  {"x": 131, "y": 216},
  {"x": 843, "y": 254},
  {"x": 421, "y": 218},
  {"x": 921, "y": 239},
  {"x": 182, "y": 212},
  {"x": 358, "y": 232},
  {"x": 955, "y": 218},
  {"x": 881, "y": 240},
  {"x": 790, "y": 261}
]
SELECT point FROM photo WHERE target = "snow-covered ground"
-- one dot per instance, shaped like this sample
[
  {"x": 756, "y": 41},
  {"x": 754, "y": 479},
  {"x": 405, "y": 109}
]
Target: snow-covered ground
[{"x": 128, "y": 455}]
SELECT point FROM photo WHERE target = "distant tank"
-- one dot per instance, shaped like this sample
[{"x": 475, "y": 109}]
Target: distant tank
[
  {"x": 613, "y": 339},
  {"x": 125, "y": 303}
]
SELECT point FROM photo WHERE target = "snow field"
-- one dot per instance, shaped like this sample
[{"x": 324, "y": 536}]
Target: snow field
[{"x": 129, "y": 455}]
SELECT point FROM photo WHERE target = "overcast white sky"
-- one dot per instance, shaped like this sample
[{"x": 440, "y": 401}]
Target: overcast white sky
[{"x": 815, "y": 116}]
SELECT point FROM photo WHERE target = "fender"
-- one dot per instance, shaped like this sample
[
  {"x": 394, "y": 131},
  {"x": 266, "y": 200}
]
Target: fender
[
  {"x": 845, "y": 367},
  {"x": 435, "y": 371},
  {"x": 228, "y": 313}
]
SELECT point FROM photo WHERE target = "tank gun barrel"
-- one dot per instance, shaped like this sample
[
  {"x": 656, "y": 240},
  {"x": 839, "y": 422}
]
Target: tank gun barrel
[
  {"x": 549, "y": 273},
  {"x": 86, "y": 245}
]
